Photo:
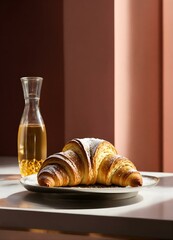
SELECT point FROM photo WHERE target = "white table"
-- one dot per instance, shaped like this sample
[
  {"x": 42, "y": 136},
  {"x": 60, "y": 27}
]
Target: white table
[{"x": 148, "y": 215}]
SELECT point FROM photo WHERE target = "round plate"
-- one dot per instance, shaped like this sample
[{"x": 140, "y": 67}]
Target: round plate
[{"x": 31, "y": 184}]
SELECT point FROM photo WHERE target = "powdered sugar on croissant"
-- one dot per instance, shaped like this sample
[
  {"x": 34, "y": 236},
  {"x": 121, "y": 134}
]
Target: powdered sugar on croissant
[{"x": 88, "y": 161}]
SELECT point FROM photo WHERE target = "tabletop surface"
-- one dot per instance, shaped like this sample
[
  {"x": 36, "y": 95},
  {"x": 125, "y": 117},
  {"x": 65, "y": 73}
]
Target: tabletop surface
[{"x": 148, "y": 214}]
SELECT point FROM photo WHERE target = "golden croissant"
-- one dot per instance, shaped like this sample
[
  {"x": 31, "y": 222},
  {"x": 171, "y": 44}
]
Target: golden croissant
[{"x": 88, "y": 161}]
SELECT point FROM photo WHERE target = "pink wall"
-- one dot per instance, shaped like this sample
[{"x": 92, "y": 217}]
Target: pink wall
[
  {"x": 168, "y": 85},
  {"x": 86, "y": 90},
  {"x": 89, "y": 68},
  {"x": 138, "y": 118}
]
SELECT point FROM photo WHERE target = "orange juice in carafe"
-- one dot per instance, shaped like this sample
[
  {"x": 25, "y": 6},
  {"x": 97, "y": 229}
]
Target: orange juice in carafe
[
  {"x": 32, "y": 148},
  {"x": 32, "y": 139}
]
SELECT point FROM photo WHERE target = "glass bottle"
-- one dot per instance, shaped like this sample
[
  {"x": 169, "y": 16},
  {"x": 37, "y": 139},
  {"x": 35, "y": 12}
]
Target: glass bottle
[{"x": 32, "y": 139}]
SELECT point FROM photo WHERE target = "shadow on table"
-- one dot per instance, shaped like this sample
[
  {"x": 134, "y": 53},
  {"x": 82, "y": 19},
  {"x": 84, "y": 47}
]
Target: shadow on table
[
  {"x": 9, "y": 177},
  {"x": 68, "y": 200},
  {"x": 166, "y": 181}
]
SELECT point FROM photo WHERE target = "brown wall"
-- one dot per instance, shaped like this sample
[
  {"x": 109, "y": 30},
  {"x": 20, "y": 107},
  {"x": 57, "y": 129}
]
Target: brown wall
[
  {"x": 31, "y": 43},
  {"x": 70, "y": 44}
]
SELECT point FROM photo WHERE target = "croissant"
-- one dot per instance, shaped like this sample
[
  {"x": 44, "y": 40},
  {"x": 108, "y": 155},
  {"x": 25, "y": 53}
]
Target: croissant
[{"x": 88, "y": 161}]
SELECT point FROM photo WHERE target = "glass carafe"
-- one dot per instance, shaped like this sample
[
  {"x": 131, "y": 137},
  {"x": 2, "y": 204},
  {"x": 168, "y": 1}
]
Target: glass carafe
[{"x": 32, "y": 139}]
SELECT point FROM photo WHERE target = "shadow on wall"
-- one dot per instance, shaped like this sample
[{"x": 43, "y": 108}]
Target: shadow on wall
[{"x": 31, "y": 44}]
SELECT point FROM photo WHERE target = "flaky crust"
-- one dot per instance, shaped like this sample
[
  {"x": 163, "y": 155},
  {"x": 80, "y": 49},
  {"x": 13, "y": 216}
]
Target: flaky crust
[{"x": 88, "y": 161}]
